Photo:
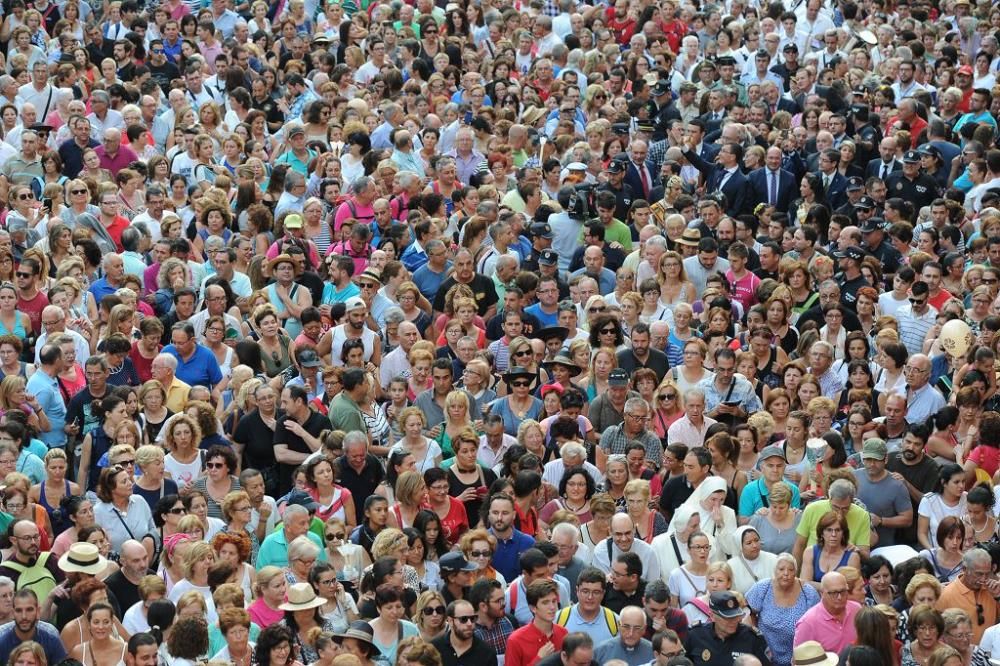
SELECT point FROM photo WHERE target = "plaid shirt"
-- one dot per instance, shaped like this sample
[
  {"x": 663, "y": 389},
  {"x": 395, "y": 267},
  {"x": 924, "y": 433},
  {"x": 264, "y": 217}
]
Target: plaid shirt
[
  {"x": 614, "y": 440},
  {"x": 497, "y": 635}
]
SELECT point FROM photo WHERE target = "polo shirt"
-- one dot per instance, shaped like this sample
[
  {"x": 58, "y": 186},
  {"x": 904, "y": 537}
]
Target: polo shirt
[
  {"x": 177, "y": 394},
  {"x": 817, "y": 624},
  {"x": 524, "y": 644},
  {"x": 291, "y": 159},
  {"x": 923, "y": 403},
  {"x": 346, "y": 415},
  {"x": 72, "y": 156},
  {"x": 755, "y": 493},
  {"x": 956, "y": 595},
  {"x": 118, "y": 161},
  {"x": 478, "y": 654},
  {"x": 603, "y": 627},
  {"x": 46, "y": 635},
  {"x": 20, "y": 171},
  {"x": 361, "y": 484},
  {"x": 101, "y": 288},
  {"x": 50, "y": 400},
  {"x": 201, "y": 369},
  {"x": 274, "y": 550},
  {"x": 858, "y": 523},
  {"x": 508, "y": 551}
]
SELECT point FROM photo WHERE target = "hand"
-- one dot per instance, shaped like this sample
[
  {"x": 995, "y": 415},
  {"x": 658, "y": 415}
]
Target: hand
[
  {"x": 371, "y": 367},
  {"x": 897, "y": 476},
  {"x": 294, "y": 427},
  {"x": 546, "y": 649},
  {"x": 658, "y": 623},
  {"x": 717, "y": 515},
  {"x": 467, "y": 495},
  {"x": 434, "y": 432},
  {"x": 61, "y": 591},
  {"x": 264, "y": 510},
  {"x": 763, "y": 511},
  {"x": 615, "y": 245}
]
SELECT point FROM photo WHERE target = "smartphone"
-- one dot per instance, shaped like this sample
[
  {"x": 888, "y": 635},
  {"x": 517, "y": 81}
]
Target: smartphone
[
  {"x": 731, "y": 403},
  {"x": 47, "y": 204}
]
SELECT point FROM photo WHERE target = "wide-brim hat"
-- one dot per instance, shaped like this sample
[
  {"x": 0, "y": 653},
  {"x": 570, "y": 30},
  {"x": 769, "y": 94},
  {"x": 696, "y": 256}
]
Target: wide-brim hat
[
  {"x": 690, "y": 237},
  {"x": 811, "y": 653},
  {"x": 361, "y": 631},
  {"x": 515, "y": 372},
  {"x": 83, "y": 557},
  {"x": 302, "y": 596},
  {"x": 280, "y": 259},
  {"x": 565, "y": 362},
  {"x": 533, "y": 115}
]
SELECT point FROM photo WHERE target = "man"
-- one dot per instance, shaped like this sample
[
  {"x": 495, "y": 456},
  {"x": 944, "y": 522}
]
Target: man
[
  {"x": 884, "y": 496},
  {"x": 566, "y": 537},
  {"x": 162, "y": 70},
  {"x": 102, "y": 116},
  {"x": 617, "y": 201},
  {"x": 31, "y": 300},
  {"x": 881, "y": 167},
  {"x": 608, "y": 409},
  {"x": 916, "y": 318},
  {"x": 616, "y": 438},
  {"x": 541, "y": 637},
  {"x": 771, "y": 183},
  {"x": 196, "y": 365},
  {"x": 224, "y": 263},
  {"x": 830, "y": 622},
  {"x": 493, "y": 625},
  {"x": 851, "y": 278},
  {"x": 593, "y": 267},
  {"x": 114, "y": 156},
  {"x": 295, "y": 523},
  {"x": 834, "y": 183},
  {"x": 577, "y": 650},
  {"x": 124, "y": 583},
  {"x": 482, "y": 287},
  {"x": 974, "y": 591},
  {"x": 691, "y": 428},
  {"x": 623, "y": 540},
  {"x": 111, "y": 219},
  {"x": 893, "y": 426},
  {"x": 829, "y": 293},
  {"x": 38, "y": 92},
  {"x": 298, "y": 155},
  {"x": 724, "y": 176},
  {"x": 396, "y": 362},
  {"x": 642, "y": 355},
  {"x": 697, "y": 467},
  {"x": 588, "y": 615},
  {"x": 44, "y": 385},
  {"x": 253, "y": 438},
  {"x": 876, "y": 243},
  {"x": 911, "y": 183},
  {"x": 661, "y": 618},
  {"x": 535, "y": 566},
  {"x": 345, "y": 412},
  {"x": 468, "y": 160},
  {"x": 27, "y": 165},
  {"x": 666, "y": 645},
  {"x": 27, "y": 627},
  {"x": 922, "y": 399},
  {"x": 729, "y": 397},
  {"x": 71, "y": 150},
  {"x": 511, "y": 543},
  {"x": 359, "y": 471},
  {"x": 546, "y": 310},
  {"x": 263, "y": 507},
  {"x": 494, "y": 442},
  {"x": 705, "y": 263},
  {"x": 215, "y": 306},
  {"x": 164, "y": 369},
  {"x": 296, "y": 434},
  {"x": 80, "y": 415},
  {"x": 503, "y": 237},
  {"x": 841, "y": 500},
  {"x": 718, "y": 642},
  {"x": 629, "y": 646},
  {"x": 142, "y": 650},
  {"x": 917, "y": 471},
  {"x": 641, "y": 174},
  {"x": 28, "y": 566},
  {"x": 432, "y": 274},
  {"x": 460, "y": 645},
  {"x": 755, "y": 494}
]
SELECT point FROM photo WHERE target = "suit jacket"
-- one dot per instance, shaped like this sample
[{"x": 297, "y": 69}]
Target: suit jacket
[
  {"x": 709, "y": 151},
  {"x": 735, "y": 188},
  {"x": 711, "y": 124},
  {"x": 633, "y": 178},
  {"x": 786, "y": 187},
  {"x": 874, "y": 168},
  {"x": 786, "y": 104},
  {"x": 836, "y": 193}
]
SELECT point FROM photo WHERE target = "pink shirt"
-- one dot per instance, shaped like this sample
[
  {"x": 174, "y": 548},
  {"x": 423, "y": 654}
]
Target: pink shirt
[
  {"x": 744, "y": 290},
  {"x": 818, "y": 625},
  {"x": 986, "y": 457},
  {"x": 122, "y": 159},
  {"x": 363, "y": 214}
]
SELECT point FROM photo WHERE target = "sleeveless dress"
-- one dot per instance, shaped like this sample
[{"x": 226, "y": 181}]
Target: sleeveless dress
[
  {"x": 23, "y": 372},
  {"x": 272, "y": 366},
  {"x": 88, "y": 651}
]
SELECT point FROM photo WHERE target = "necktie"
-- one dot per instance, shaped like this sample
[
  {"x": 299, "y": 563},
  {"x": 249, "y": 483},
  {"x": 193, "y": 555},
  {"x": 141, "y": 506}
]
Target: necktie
[
  {"x": 773, "y": 189},
  {"x": 645, "y": 180},
  {"x": 826, "y": 182},
  {"x": 885, "y": 170}
]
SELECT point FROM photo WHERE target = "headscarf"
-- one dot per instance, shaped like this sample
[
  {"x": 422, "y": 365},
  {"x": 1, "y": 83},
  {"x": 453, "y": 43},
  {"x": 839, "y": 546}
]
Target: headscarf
[{"x": 712, "y": 484}]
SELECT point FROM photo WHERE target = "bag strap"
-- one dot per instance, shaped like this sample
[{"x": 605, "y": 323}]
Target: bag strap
[
  {"x": 124, "y": 524},
  {"x": 677, "y": 549}
]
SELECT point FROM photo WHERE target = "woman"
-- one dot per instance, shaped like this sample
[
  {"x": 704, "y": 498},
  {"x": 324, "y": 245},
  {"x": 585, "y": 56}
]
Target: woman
[
  {"x": 410, "y": 493},
  {"x": 616, "y": 478},
  {"x": 478, "y": 546},
  {"x": 519, "y": 404},
  {"x": 302, "y": 554},
  {"x": 689, "y": 580},
  {"x": 235, "y": 625},
  {"x": 777, "y": 525},
  {"x": 183, "y": 463},
  {"x": 28, "y": 653},
  {"x": 725, "y": 452},
  {"x": 302, "y": 615},
  {"x": 926, "y": 626},
  {"x": 719, "y": 578},
  {"x": 234, "y": 550},
  {"x": 277, "y": 347},
  {"x": 980, "y": 523},
  {"x": 426, "y": 452},
  {"x": 716, "y": 518},
  {"x": 469, "y": 481},
  {"x": 648, "y": 523},
  {"x": 667, "y": 409},
  {"x": 198, "y": 559},
  {"x": 418, "y": 557},
  {"x": 220, "y": 464},
  {"x": 334, "y": 500},
  {"x": 390, "y": 627},
  {"x": 751, "y": 563},
  {"x": 777, "y": 320},
  {"x": 237, "y": 510},
  {"x": 675, "y": 287},
  {"x": 576, "y": 488},
  {"x": 125, "y": 516},
  {"x": 457, "y": 419},
  {"x": 693, "y": 371},
  {"x": 270, "y": 594},
  {"x": 429, "y": 615},
  {"x": 103, "y": 647},
  {"x": 948, "y": 499},
  {"x": 777, "y": 603},
  {"x": 198, "y": 519},
  {"x": 215, "y": 333},
  {"x": 275, "y": 647},
  {"x": 51, "y": 492},
  {"x": 602, "y": 362},
  {"x": 958, "y": 635},
  {"x": 833, "y": 330},
  {"x": 830, "y": 551},
  {"x": 347, "y": 558},
  {"x": 450, "y": 510},
  {"x": 602, "y": 507},
  {"x": 338, "y": 609},
  {"x": 12, "y": 321},
  {"x": 947, "y": 556},
  {"x": 79, "y": 513}
]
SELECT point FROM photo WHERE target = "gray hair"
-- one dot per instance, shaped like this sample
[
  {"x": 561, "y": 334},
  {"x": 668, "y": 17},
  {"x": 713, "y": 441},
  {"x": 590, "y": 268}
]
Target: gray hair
[
  {"x": 975, "y": 556},
  {"x": 291, "y": 511},
  {"x": 406, "y": 178},
  {"x": 301, "y": 547},
  {"x": 569, "y": 529},
  {"x": 293, "y": 179},
  {"x": 657, "y": 241},
  {"x": 168, "y": 360},
  {"x": 353, "y": 438},
  {"x": 573, "y": 450},
  {"x": 635, "y": 403},
  {"x": 825, "y": 346},
  {"x": 394, "y": 315},
  {"x": 5, "y": 582},
  {"x": 100, "y": 96},
  {"x": 359, "y": 184},
  {"x": 841, "y": 489}
]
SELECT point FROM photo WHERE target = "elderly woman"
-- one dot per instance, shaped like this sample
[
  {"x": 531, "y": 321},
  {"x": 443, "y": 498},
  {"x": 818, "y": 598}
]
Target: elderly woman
[
  {"x": 478, "y": 546},
  {"x": 602, "y": 507},
  {"x": 750, "y": 563},
  {"x": 923, "y": 589},
  {"x": 235, "y": 625},
  {"x": 392, "y": 542},
  {"x": 302, "y": 555},
  {"x": 926, "y": 627},
  {"x": 152, "y": 485},
  {"x": 648, "y": 523},
  {"x": 151, "y": 588},
  {"x": 776, "y": 604},
  {"x": 716, "y": 519},
  {"x": 236, "y": 512},
  {"x": 123, "y": 515},
  {"x": 958, "y": 634}
]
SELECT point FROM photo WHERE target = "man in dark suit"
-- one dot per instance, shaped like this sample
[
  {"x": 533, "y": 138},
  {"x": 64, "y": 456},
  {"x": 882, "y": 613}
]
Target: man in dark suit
[
  {"x": 834, "y": 182},
  {"x": 723, "y": 176},
  {"x": 696, "y": 130},
  {"x": 640, "y": 173},
  {"x": 886, "y": 163},
  {"x": 771, "y": 183},
  {"x": 716, "y": 111}
]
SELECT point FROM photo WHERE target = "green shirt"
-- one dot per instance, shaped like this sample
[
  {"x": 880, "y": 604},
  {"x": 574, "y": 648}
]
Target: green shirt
[
  {"x": 346, "y": 415},
  {"x": 859, "y": 523},
  {"x": 616, "y": 232}
]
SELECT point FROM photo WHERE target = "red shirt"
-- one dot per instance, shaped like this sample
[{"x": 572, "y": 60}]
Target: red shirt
[
  {"x": 524, "y": 644},
  {"x": 33, "y": 308},
  {"x": 118, "y": 225},
  {"x": 527, "y": 523},
  {"x": 143, "y": 366}
]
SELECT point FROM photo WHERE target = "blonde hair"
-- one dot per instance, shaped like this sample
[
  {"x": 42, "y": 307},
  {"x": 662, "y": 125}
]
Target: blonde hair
[
  {"x": 197, "y": 552},
  {"x": 387, "y": 541}
]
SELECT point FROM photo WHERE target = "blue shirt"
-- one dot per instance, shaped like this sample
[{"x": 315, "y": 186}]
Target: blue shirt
[
  {"x": 45, "y": 635},
  {"x": 101, "y": 288},
  {"x": 428, "y": 282},
  {"x": 543, "y": 318},
  {"x": 46, "y": 390},
  {"x": 413, "y": 257},
  {"x": 755, "y": 493},
  {"x": 201, "y": 369},
  {"x": 506, "y": 558}
]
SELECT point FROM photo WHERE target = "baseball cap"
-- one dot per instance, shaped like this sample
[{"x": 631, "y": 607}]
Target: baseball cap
[
  {"x": 965, "y": 70},
  {"x": 865, "y": 203},
  {"x": 309, "y": 359},
  {"x": 455, "y": 561},
  {"x": 790, "y": 46},
  {"x": 874, "y": 224},
  {"x": 725, "y": 604},
  {"x": 354, "y": 303},
  {"x": 548, "y": 258},
  {"x": 542, "y": 230},
  {"x": 618, "y": 377},
  {"x": 855, "y": 183},
  {"x": 301, "y": 498},
  {"x": 661, "y": 88},
  {"x": 615, "y": 166},
  {"x": 293, "y": 221},
  {"x": 772, "y": 452},
  {"x": 874, "y": 449}
]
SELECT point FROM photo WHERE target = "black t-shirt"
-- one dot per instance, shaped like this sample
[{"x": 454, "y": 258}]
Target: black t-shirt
[
  {"x": 456, "y": 488},
  {"x": 270, "y": 108},
  {"x": 124, "y": 590},
  {"x": 78, "y": 411},
  {"x": 478, "y": 654},
  {"x": 361, "y": 485},
  {"x": 257, "y": 439},
  {"x": 923, "y": 477},
  {"x": 164, "y": 74},
  {"x": 482, "y": 290},
  {"x": 314, "y": 425}
]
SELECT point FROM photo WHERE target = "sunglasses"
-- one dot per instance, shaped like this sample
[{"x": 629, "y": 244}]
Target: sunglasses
[
  {"x": 339, "y": 536},
  {"x": 215, "y": 465},
  {"x": 22, "y": 274},
  {"x": 668, "y": 396},
  {"x": 480, "y": 553},
  {"x": 433, "y": 610},
  {"x": 607, "y": 331},
  {"x": 918, "y": 301},
  {"x": 464, "y": 619},
  {"x": 524, "y": 352},
  {"x": 83, "y": 191},
  {"x": 596, "y": 309},
  {"x": 176, "y": 511},
  {"x": 125, "y": 462},
  {"x": 25, "y": 197},
  {"x": 520, "y": 384}
]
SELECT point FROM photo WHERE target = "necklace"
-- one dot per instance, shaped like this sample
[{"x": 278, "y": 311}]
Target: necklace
[{"x": 977, "y": 530}]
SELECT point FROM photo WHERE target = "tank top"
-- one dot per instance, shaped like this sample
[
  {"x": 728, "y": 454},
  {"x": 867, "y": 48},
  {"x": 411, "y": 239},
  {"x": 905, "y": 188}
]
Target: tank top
[
  {"x": 18, "y": 327},
  {"x": 291, "y": 325},
  {"x": 817, "y": 572},
  {"x": 22, "y": 371},
  {"x": 89, "y": 651},
  {"x": 60, "y": 523},
  {"x": 100, "y": 443}
]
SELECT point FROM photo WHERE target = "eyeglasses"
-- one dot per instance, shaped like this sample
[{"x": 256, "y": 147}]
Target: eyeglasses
[
  {"x": 25, "y": 197},
  {"x": 637, "y": 417},
  {"x": 433, "y": 610},
  {"x": 918, "y": 301},
  {"x": 667, "y": 396},
  {"x": 706, "y": 547},
  {"x": 523, "y": 352},
  {"x": 29, "y": 537},
  {"x": 126, "y": 462}
]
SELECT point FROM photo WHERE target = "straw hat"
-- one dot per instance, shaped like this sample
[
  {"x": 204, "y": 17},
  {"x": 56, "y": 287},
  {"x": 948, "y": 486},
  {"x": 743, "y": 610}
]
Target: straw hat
[
  {"x": 301, "y": 596},
  {"x": 811, "y": 653},
  {"x": 280, "y": 259},
  {"x": 83, "y": 557}
]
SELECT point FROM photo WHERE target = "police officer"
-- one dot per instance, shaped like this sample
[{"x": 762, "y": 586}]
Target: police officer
[
  {"x": 855, "y": 190},
  {"x": 920, "y": 189},
  {"x": 541, "y": 237},
  {"x": 616, "y": 185},
  {"x": 662, "y": 109},
  {"x": 866, "y": 136},
  {"x": 864, "y": 210},
  {"x": 718, "y": 643},
  {"x": 877, "y": 245}
]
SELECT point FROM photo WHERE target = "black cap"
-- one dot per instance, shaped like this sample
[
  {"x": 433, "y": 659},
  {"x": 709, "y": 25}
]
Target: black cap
[
  {"x": 928, "y": 149},
  {"x": 911, "y": 157},
  {"x": 855, "y": 183},
  {"x": 762, "y": 53},
  {"x": 874, "y": 224},
  {"x": 645, "y": 126},
  {"x": 860, "y": 90},
  {"x": 790, "y": 46},
  {"x": 865, "y": 203},
  {"x": 618, "y": 377},
  {"x": 860, "y": 112},
  {"x": 724, "y": 61},
  {"x": 548, "y": 257},
  {"x": 725, "y": 604},
  {"x": 541, "y": 230},
  {"x": 619, "y": 128},
  {"x": 853, "y": 252},
  {"x": 616, "y": 166},
  {"x": 661, "y": 88}
]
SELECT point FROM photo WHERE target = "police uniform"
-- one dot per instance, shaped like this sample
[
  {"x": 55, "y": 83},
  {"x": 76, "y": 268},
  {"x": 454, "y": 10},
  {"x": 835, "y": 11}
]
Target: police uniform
[
  {"x": 888, "y": 256},
  {"x": 704, "y": 647},
  {"x": 920, "y": 192}
]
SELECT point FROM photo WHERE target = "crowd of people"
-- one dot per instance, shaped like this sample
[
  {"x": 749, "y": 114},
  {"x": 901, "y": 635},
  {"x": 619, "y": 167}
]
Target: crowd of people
[{"x": 499, "y": 332}]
